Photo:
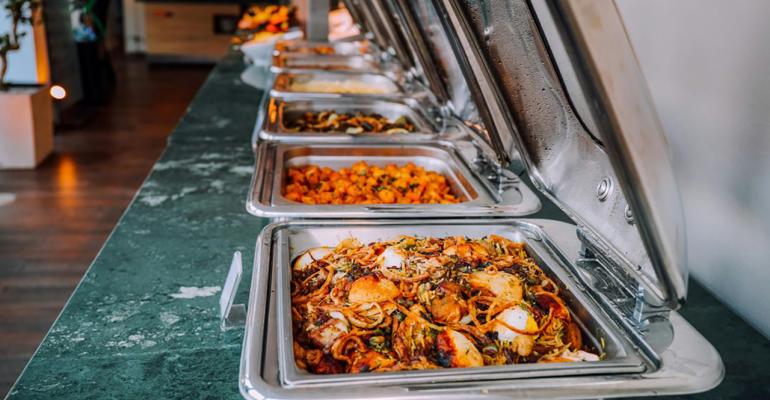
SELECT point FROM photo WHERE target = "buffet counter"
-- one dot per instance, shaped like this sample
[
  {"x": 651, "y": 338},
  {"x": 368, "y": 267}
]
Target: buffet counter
[{"x": 143, "y": 323}]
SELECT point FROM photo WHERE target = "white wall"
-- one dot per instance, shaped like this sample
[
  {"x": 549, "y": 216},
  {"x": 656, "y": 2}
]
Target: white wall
[
  {"x": 22, "y": 67},
  {"x": 707, "y": 63}
]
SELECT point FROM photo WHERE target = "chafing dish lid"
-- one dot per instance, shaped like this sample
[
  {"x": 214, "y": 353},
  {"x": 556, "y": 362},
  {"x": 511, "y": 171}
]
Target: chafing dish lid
[
  {"x": 370, "y": 17},
  {"x": 441, "y": 65},
  {"x": 566, "y": 73},
  {"x": 365, "y": 22}
]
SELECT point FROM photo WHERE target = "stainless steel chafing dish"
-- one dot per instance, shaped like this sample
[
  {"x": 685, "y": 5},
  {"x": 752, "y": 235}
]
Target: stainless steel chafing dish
[
  {"x": 336, "y": 84},
  {"x": 478, "y": 195},
  {"x": 688, "y": 363},
  {"x": 589, "y": 138},
  {"x": 286, "y": 62},
  {"x": 346, "y": 57},
  {"x": 281, "y": 111},
  {"x": 357, "y": 47}
]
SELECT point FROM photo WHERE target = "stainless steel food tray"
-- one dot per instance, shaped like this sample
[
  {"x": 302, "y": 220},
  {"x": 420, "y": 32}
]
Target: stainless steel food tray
[
  {"x": 363, "y": 63},
  {"x": 288, "y": 244},
  {"x": 281, "y": 110},
  {"x": 478, "y": 195},
  {"x": 308, "y": 47},
  {"x": 389, "y": 87},
  {"x": 689, "y": 364}
]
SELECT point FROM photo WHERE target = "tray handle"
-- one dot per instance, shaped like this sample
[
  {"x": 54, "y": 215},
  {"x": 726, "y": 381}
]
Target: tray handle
[{"x": 232, "y": 315}]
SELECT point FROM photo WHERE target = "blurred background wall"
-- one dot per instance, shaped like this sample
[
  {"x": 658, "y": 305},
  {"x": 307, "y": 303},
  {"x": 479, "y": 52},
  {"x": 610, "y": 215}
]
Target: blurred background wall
[{"x": 707, "y": 63}]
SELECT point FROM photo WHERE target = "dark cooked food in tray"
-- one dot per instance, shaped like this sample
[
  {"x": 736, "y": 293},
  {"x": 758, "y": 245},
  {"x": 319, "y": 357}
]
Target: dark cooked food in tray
[
  {"x": 351, "y": 123},
  {"x": 367, "y": 184},
  {"x": 419, "y": 303},
  {"x": 319, "y": 49},
  {"x": 323, "y": 50}
]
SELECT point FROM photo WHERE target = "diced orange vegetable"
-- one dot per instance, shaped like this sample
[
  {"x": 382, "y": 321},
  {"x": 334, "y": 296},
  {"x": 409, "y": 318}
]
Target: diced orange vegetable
[
  {"x": 365, "y": 184},
  {"x": 387, "y": 196}
]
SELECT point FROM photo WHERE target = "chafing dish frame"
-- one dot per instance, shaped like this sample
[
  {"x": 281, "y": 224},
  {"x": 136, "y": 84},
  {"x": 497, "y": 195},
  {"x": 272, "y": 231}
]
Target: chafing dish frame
[
  {"x": 340, "y": 47},
  {"x": 279, "y": 111},
  {"x": 683, "y": 367},
  {"x": 356, "y": 63},
  {"x": 506, "y": 195},
  {"x": 400, "y": 88}
]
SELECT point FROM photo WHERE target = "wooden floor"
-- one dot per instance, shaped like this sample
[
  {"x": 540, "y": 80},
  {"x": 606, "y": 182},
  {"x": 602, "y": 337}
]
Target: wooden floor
[{"x": 53, "y": 220}]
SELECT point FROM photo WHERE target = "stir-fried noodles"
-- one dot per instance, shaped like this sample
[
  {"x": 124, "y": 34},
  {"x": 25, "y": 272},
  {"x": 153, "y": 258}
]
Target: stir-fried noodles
[{"x": 420, "y": 303}]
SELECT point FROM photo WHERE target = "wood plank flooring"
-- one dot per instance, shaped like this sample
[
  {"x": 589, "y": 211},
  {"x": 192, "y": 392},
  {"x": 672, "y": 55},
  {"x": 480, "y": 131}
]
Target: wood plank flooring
[{"x": 53, "y": 220}]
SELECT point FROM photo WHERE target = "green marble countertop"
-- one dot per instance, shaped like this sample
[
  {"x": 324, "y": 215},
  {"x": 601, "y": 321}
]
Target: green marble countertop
[
  {"x": 202, "y": 1},
  {"x": 143, "y": 322}
]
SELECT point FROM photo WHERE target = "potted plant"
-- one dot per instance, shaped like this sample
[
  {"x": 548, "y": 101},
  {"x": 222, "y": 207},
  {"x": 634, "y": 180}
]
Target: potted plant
[{"x": 26, "y": 117}]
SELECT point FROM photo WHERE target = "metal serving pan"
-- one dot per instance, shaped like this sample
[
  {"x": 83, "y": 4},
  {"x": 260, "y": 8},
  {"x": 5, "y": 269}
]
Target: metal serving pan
[
  {"x": 688, "y": 364},
  {"x": 298, "y": 62},
  {"x": 477, "y": 194},
  {"x": 308, "y": 85},
  {"x": 309, "y": 47},
  {"x": 291, "y": 243},
  {"x": 355, "y": 62},
  {"x": 279, "y": 111}
]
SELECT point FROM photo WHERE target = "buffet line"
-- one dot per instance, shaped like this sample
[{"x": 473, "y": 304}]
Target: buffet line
[{"x": 399, "y": 263}]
